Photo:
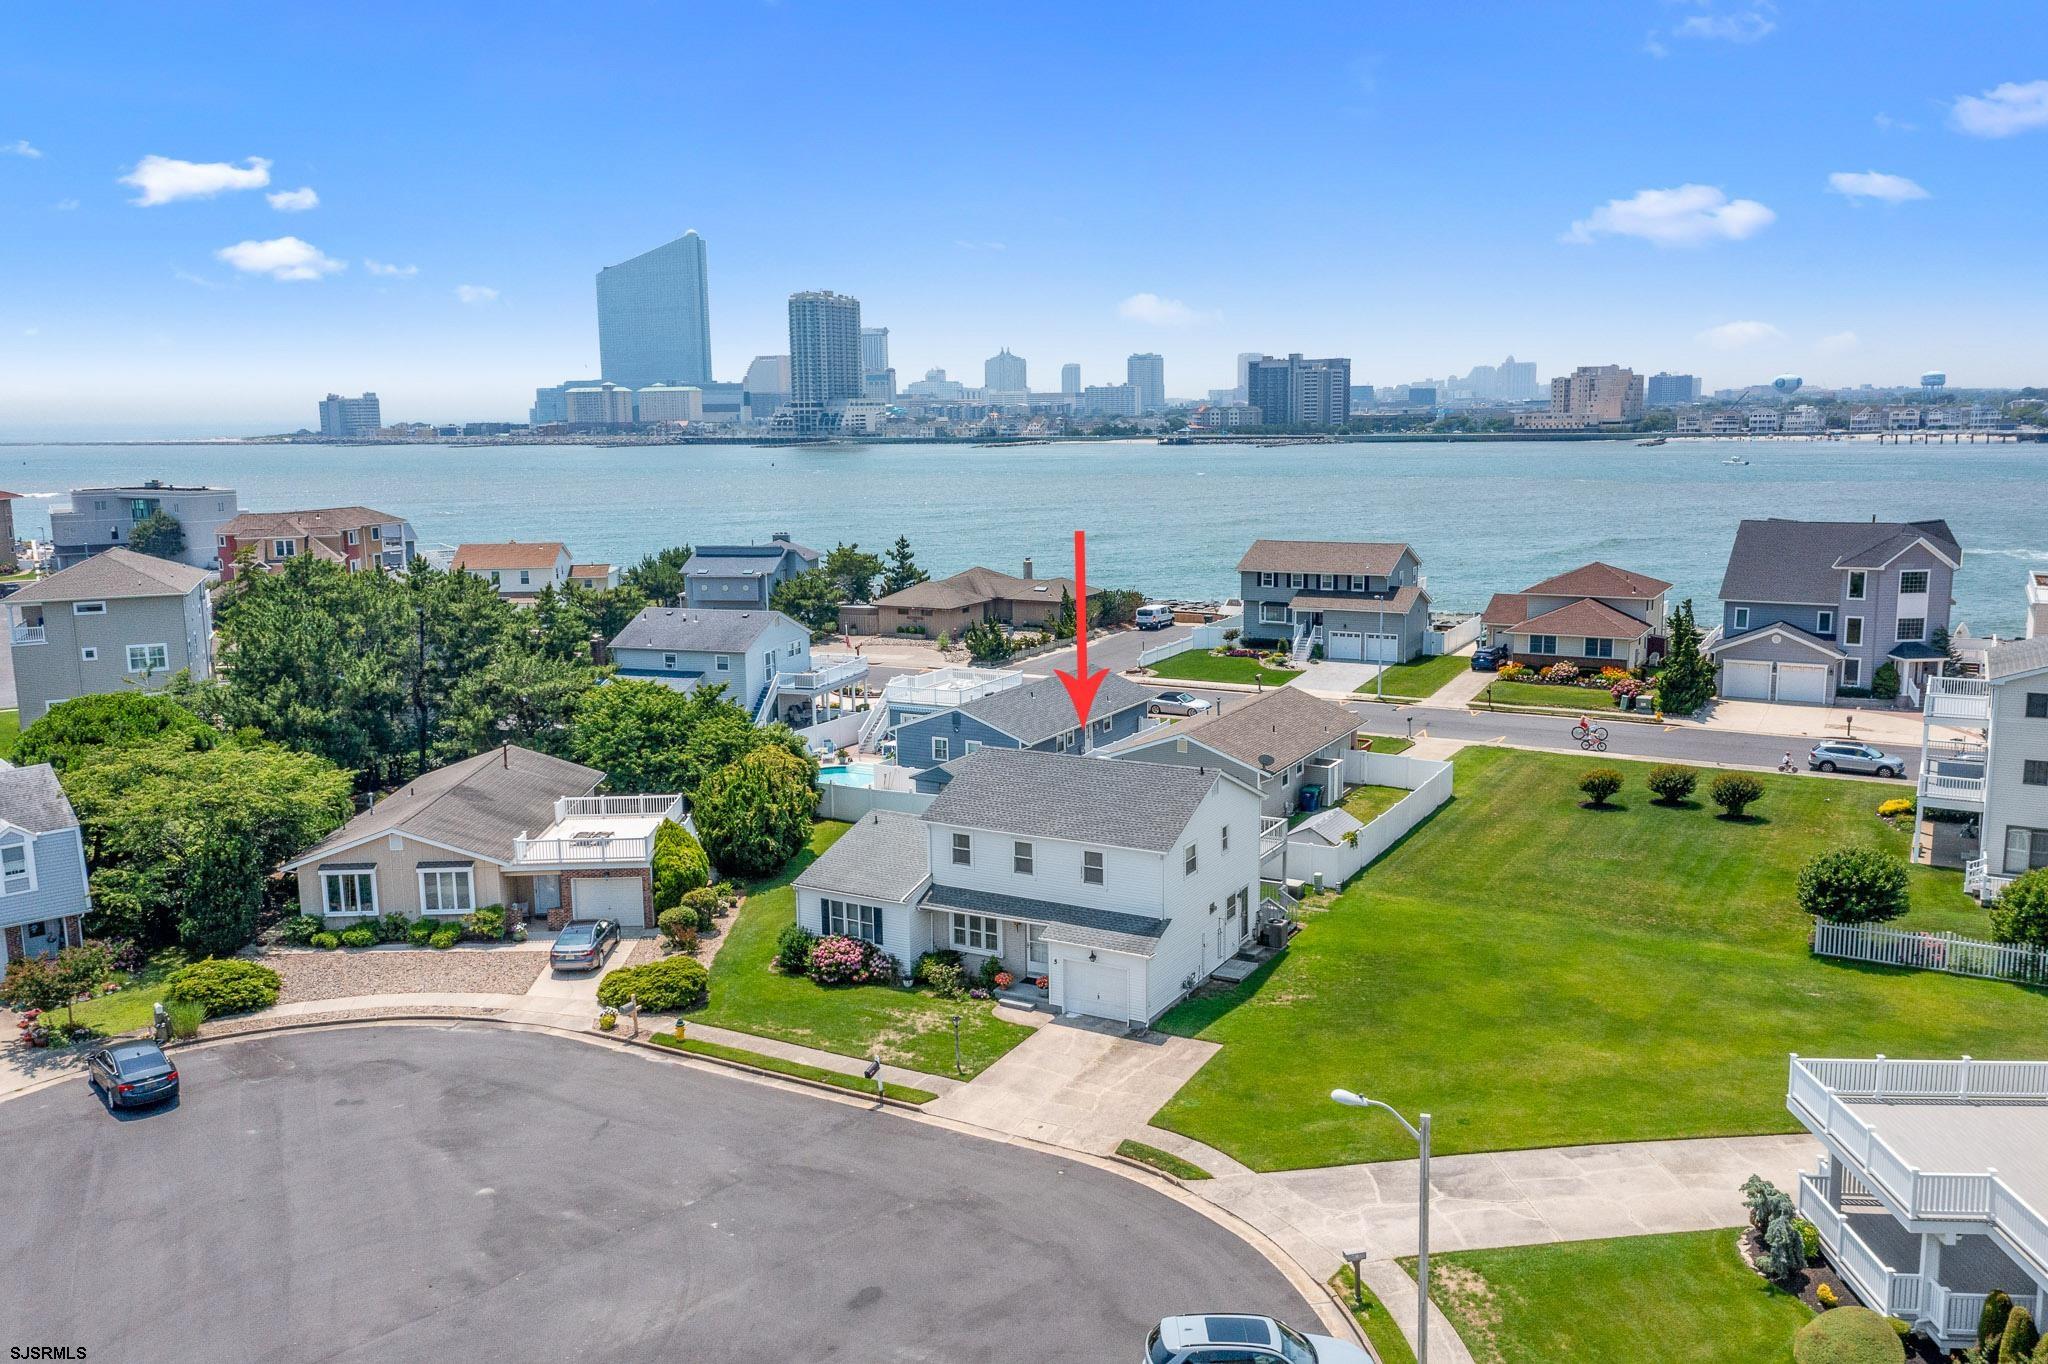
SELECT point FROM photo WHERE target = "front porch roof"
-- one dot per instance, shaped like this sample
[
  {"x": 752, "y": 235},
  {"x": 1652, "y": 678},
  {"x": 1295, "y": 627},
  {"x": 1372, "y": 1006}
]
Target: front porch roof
[
  {"x": 1075, "y": 925},
  {"x": 1395, "y": 603},
  {"x": 1913, "y": 651},
  {"x": 1763, "y": 633}
]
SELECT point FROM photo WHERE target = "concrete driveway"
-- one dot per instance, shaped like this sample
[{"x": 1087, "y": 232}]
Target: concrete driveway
[{"x": 458, "y": 1193}]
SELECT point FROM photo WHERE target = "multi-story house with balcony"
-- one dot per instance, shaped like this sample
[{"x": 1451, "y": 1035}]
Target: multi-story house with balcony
[
  {"x": 1123, "y": 885},
  {"x": 354, "y": 537},
  {"x": 43, "y": 894},
  {"x": 1930, "y": 1190},
  {"x": 762, "y": 658},
  {"x": 113, "y": 621},
  {"x": 103, "y": 518},
  {"x": 1983, "y": 792},
  {"x": 743, "y": 577},
  {"x": 508, "y": 827},
  {"x": 1357, "y": 601},
  {"x": 1810, "y": 608}
]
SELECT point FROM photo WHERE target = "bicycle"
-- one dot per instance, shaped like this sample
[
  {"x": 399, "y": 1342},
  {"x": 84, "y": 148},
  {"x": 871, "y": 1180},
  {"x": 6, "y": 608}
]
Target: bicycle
[
  {"x": 1587, "y": 735},
  {"x": 1595, "y": 741}
]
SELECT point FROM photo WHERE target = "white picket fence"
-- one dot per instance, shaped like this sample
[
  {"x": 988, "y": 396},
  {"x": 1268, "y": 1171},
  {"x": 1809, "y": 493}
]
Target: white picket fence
[
  {"x": 1958, "y": 956},
  {"x": 1208, "y": 636},
  {"x": 1429, "y": 786}
]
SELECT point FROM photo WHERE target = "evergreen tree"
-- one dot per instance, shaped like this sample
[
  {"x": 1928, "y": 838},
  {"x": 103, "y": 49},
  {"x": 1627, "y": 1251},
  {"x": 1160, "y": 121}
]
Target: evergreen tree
[
  {"x": 810, "y": 598},
  {"x": 853, "y": 572},
  {"x": 901, "y": 570},
  {"x": 659, "y": 576},
  {"x": 158, "y": 535},
  {"x": 1687, "y": 681}
]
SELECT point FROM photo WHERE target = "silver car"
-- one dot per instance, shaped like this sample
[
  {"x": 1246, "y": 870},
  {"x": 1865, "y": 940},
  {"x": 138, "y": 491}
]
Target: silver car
[
  {"x": 1238, "y": 1337},
  {"x": 1843, "y": 755},
  {"x": 1180, "y": 703}
]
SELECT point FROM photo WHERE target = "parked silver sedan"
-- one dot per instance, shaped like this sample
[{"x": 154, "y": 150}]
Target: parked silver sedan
[{"x": 1843, "y": 755}]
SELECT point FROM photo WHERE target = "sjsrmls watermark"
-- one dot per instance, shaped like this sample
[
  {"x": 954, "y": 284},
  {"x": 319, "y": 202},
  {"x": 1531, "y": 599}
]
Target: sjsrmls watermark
[{"x": 46, "y": 1352}]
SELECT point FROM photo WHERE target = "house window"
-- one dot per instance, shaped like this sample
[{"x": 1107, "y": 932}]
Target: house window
[
  {"x": 963, "y": 850},
  {"x": 1912, "y": 628},
  {"x": 970, "y": 746},
  {"x": 283, "y": 549},
  {"x": 1265, "y": 580},
  {"x": 376, "y": 532},
  {"x": 1852, "y": 672},
  {"x": 1102, "y": 725},
  {"x": 220, "y": 542},
  {"x": 1543, "y": 644},
  {"x": 977, "y": 933},
  {"x": 721, "y": 663},
  {"x": 1272, "y": 613},
  {"x": 353, "y": 537},
  {"x": 1187, "y": 860},
  {"x": 1598, "y": 648},
  {"x": 942, "y": 748},
  {"x": 1913, "y": 582},
  {"x": 1091, "y": 868},
  {"x": 668, "y": 660},
  {"x": 446, "y": 890},
  {"x": 89, "y": 655},
  {"x": 1742, "y": 617},
  {"x": 2025, "y": 850},
  {"x": 1020, "y": 858},
  {"x": 525, "y": 577},
  {"x": 2034, "y": 772},
  {"x": 16, "y": 873},
  {"x": 2037, "y": 705},
  {"x": 1295, "y": 580},
  {"x": 495, "y": 579},
  {"x": 1226, "y": 838},
  {"x": 88, "y": 608},
  {"x": 1855, "y": 587},
  {"x": 149, "y": 658},
  {"x": 1824, "y": 623},
  {"x": 853, "y": 921},
  {"x": 1329, "y": 582},
  {"x": 349, "y": 892},
  {"x": 1852, "y": 629}
]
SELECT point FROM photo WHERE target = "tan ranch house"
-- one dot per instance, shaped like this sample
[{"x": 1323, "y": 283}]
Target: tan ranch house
[{"x": 509, "y": 827}]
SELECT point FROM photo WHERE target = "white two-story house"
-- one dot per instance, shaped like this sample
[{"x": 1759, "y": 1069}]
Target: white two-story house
[
  {"x": 762, "y": 659},
  {"x": 1123, "y": 884},
  {"x": 1984, "y": 768},
  {"x": 520, "y": 570}
]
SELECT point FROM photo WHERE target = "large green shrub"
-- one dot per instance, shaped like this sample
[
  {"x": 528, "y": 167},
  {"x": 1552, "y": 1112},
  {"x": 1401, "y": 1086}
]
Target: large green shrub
[
  {"x": 1853, "y": 886},
  {"x": 487, "y": 924},
  {"x": 445, "y": 937},
  {"x": 421, "y": 932},
  {"x": 392, "y": 928},
  {"x": 361, "y": 935},
  {"x": 324, "y": 940},
  {"x": 1671, "y": 784},
  {"x": 671, "y": 985},
  {"x": 299, "y": 929},
  {"x": 1884, "y": 683},
  {"x": 223, "y": 986},
  {"x": 1735, "y": 792},
  {"x": 755, "y": 814},
  {"x": 678, "y": 929},
  {"x": 2020, "y": 913},
  {"x": 2020, "y": 1337},
  {"x": 1991, "y": 1321},
  {"x": 1600, "y": 784},
  {"x": 679, "y": 864},
  {"x": 701, "y": 904},
  {"x": 793, "y": 949},
  {"x": 1847, "y": 1335}
]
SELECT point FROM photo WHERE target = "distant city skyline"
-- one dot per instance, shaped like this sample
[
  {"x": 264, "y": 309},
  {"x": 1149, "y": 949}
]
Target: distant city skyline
[{"x": 1705, "y": 198}]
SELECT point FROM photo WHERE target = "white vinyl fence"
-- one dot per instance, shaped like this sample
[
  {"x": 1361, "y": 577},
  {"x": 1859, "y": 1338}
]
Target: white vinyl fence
[
  {"x": 1208, "y": 636},
  {"x": 1930, "y": 951},
  {"x": 1429, "y": 786},
  {"x": 841, "y": 731},
  {"x": 837, "y": 801},
  {"x": 1450, "y": 641}
]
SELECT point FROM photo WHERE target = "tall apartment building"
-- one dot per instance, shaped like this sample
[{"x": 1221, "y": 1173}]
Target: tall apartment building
[
  {"x": 1070, "y": 380},
  {"x": 102, "y": 518},
  {"x": 551, "y": 404},
  {"x": 1298, "y": 392},
  {"x": 1110, "y": 400},
  {"x": 878, "y": 379},
  {"x": 654, "y": 317},
  {"x": 1589, "y": 396},
  {"x": 1005, "y": 373},
  {"x": 1671, "y": 390},
  {"x": 824, "y": 355},
  {"x": 341, "y": 416},
  {"x": 1147, "y": 374},
  {"x": 766, "y": 386},
  {"x": 605, "y": 404}
]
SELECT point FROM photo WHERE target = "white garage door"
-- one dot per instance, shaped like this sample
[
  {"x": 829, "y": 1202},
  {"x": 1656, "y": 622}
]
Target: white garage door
[
  {"x": 1383, "y": 648},
  {"x": 1806, "y": 682},
  {"x": 606, "y": 897},
  {"x": 1346, "y": 646},
  {"x": 1746, "y": 681},
  {"x": 1098, "y": 990}
]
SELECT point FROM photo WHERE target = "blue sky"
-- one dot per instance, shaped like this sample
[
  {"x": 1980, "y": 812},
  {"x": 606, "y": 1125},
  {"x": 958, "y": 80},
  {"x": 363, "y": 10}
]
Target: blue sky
[{"x": 1423, "y": 188}]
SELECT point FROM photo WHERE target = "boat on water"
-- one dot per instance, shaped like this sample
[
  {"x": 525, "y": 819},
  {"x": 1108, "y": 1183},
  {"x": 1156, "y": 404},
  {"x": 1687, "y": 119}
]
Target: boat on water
[
  {"x": 1735, "y": 459},
  {"x": 1654, "y": 440}
]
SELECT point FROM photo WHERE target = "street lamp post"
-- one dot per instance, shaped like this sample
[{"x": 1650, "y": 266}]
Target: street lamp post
[{"x": 1421, "y": 1135}]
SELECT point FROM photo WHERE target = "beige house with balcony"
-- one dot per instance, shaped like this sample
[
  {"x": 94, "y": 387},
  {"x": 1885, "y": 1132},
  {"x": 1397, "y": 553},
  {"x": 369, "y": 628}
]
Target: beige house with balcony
[
  {"x": 115, "y": 621},
  {"x": 509, "y": 827}
]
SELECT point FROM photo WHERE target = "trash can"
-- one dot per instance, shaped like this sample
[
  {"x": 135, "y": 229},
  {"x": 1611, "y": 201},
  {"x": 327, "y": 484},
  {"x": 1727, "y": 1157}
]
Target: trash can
[{"x": 1311, "y": 799}]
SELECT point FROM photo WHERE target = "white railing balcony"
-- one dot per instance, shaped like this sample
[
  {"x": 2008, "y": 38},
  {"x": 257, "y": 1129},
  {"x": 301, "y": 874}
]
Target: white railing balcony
[
  {"x": 28, "y": 634},
  {"x": 1272, "y": 833},
  {"x": 651, "y": 807},
  {"x": 599, "y": 850},
  {"x": 1976, "y": 875},
  {"x": 823, "y": 675},
  {"x": 1940, "y": 786},
  {"x": 1957, "y": 698}
]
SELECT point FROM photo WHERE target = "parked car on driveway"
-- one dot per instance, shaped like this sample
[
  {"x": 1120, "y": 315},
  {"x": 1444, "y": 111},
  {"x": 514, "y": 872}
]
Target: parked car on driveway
[
  {"x": 1154, "y": 616},
  {"x": 1180, "y": 703},
  {"x": 1841, "y": 755},
  {"x": 1243, "y": 1340},
  {"x": 583, "y": 946},
  {"x": 131, "y": 1074},
  {"x": 1489, "y": 659}
]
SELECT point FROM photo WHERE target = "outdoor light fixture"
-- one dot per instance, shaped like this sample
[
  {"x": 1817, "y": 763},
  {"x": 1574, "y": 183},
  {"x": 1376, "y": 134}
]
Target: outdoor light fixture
[{"x": 1421, "y": 1135}]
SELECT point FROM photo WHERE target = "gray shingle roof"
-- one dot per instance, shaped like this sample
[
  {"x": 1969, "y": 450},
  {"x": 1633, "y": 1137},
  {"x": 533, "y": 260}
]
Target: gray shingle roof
[
  {"x": 680, "y": 630},
  {"x": 478, "y": 805},
  {"x": 1373, "y": 558},
  {"x": 31, "y": 799},
  {"x": 2019, "y": 656},
  {"x": 1286, "y": 724},
  {"x": 1038, "y": 711},
  {"x": 886, "y": 856},
  {"x": 1775, "y": 560},
  {"x": 111, "y": 574},
  {"x": 1086, "y": 927},
  {"x": 1329, "y": 826},
  {"x": 1060, "y": 795}
]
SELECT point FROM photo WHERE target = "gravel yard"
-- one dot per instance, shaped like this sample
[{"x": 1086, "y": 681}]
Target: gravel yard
[{"x": 384, "y": 971}]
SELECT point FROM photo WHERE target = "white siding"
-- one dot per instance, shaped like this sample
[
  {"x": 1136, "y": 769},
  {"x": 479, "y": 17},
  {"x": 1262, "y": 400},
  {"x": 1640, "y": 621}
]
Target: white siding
[
  {"x": 2013, "y": 739},
  {"x": 902, "y": 936},
  {"x": 1189, "y": 943},
  {"x": 1132, "y": 880}
]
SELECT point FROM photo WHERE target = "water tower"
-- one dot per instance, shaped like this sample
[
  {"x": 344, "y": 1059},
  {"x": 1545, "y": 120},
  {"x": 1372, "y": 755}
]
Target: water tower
[
  {"x": 1787, "y": 383},
  {"x": 1931, "y": 384}
]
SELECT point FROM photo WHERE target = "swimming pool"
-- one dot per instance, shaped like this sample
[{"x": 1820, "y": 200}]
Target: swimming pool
[{"x": 847, "y": 774}]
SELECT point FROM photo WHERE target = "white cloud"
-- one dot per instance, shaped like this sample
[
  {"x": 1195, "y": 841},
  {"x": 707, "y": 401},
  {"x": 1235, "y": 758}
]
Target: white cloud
[
  {"x": 20, "y": 147},
  {"x": 1886, "y": 123},
  {"x": 1836, "y": 343},
  {"x": 1892, "y": 189},
  {"x": 389, "y": 271},
  {"x": 1158, "y": 312},
  {"x": 65, "y": 205},
  {"x": 1744, "y": 26},
  {"x": 475, "y": 293},
  {"x": 1736, "y": 335},
  {"x": 281, "y": 258},
  {"x": 1654, "y": 45},
  {"x": 1689, "y": 215},
  {"x": 294, "y": 200},
  {"x": 2002, "y": 111},
  {"x": 163, "y": 179}
]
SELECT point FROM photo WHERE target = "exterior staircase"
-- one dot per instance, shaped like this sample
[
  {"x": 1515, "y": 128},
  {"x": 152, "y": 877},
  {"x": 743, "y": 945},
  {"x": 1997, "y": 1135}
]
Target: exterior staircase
[
  {"x": 764, "y": 709},
  {"x": 1304, "y": 642}
]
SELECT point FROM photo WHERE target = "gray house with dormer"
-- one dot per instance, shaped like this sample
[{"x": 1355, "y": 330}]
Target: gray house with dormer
[
  {"x": 1038, "y": 715},
  {"x": 762, "y": 659},
  {"x": 43, "y": 897},
  {"x": 1813, "y": 608},
  {"x": 113, "y": 621},
  {"x": 743, "y": 577},
  {"x": 1357, "y": 601}
]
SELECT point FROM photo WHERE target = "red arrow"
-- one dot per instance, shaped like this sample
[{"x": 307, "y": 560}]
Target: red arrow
[{"x": 1080, "y": 684}]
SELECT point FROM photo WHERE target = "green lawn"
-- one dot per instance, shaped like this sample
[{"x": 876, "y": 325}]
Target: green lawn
[
  {"x": 1417, "y": 679},
  {"x": 1199, "y": 665},
  {"x": 1541, "y": 694},
  {"x": 1683, "y": 1299},
  {"x": 912, "y": 1029},
  {"x": 762, "y": 1061},
  {"x": 1382, "y": 743},
  {"x": 10, "y": 730},
  {"x": 1166, "y": 1162},
  {"x": 1380, "y": 1327},
  {"x": 1365, "y": 802},
  {"x": 1537, "y": 974},
  {"x": 133, "y": 1006}
]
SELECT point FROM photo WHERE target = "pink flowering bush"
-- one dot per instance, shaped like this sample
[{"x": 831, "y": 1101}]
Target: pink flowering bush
[
  {"x": 1563, "y": 674},
  {"x": 849, "y": 961},
  {"x": 1625, "y": 688}
]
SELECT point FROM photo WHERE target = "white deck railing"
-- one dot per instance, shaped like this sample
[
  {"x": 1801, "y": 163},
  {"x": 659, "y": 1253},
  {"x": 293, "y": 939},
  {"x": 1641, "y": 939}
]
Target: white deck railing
[
  {"x": 654, "y": 806},
  {"x": 1940, "y": 787},
  {"x": 28, "y": 634},
  {"x": 593, "y": 852},
  {"x": 1957, "y": 698},
  {"x": 1958, "y": 956},
  {"x": 824, "y": 675}
]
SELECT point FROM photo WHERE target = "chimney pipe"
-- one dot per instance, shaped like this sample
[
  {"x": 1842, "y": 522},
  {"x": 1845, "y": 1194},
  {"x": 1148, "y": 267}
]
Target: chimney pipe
[{"x": 1027, "y": 568}]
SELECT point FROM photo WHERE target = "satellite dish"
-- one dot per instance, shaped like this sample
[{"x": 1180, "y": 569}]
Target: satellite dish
[{"x": 1265, "y": 760}]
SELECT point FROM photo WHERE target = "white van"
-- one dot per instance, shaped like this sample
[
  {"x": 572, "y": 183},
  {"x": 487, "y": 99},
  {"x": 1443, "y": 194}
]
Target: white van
[{"x": 1153, "y": 616}]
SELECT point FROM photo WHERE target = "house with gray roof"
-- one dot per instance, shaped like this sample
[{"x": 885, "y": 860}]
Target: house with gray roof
[
  {"x": 743, "y": 577},
  {"x": 43, "y": 894},
  {"x": 1038, "y": 715},
  {"x": 1357, "y": 601},
  {"x": 1813, "y": 608},
  {"x": 1122, "y": 885},
  {"x": 1277, "y": 743},
  {"x": 762, "y": 659},
  {"x": 510, "y": 827},
  {"x": 113, "y": 621}
]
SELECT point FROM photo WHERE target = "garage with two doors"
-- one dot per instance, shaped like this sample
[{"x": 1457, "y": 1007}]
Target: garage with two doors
[{"x": 1805, "y": 678}]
